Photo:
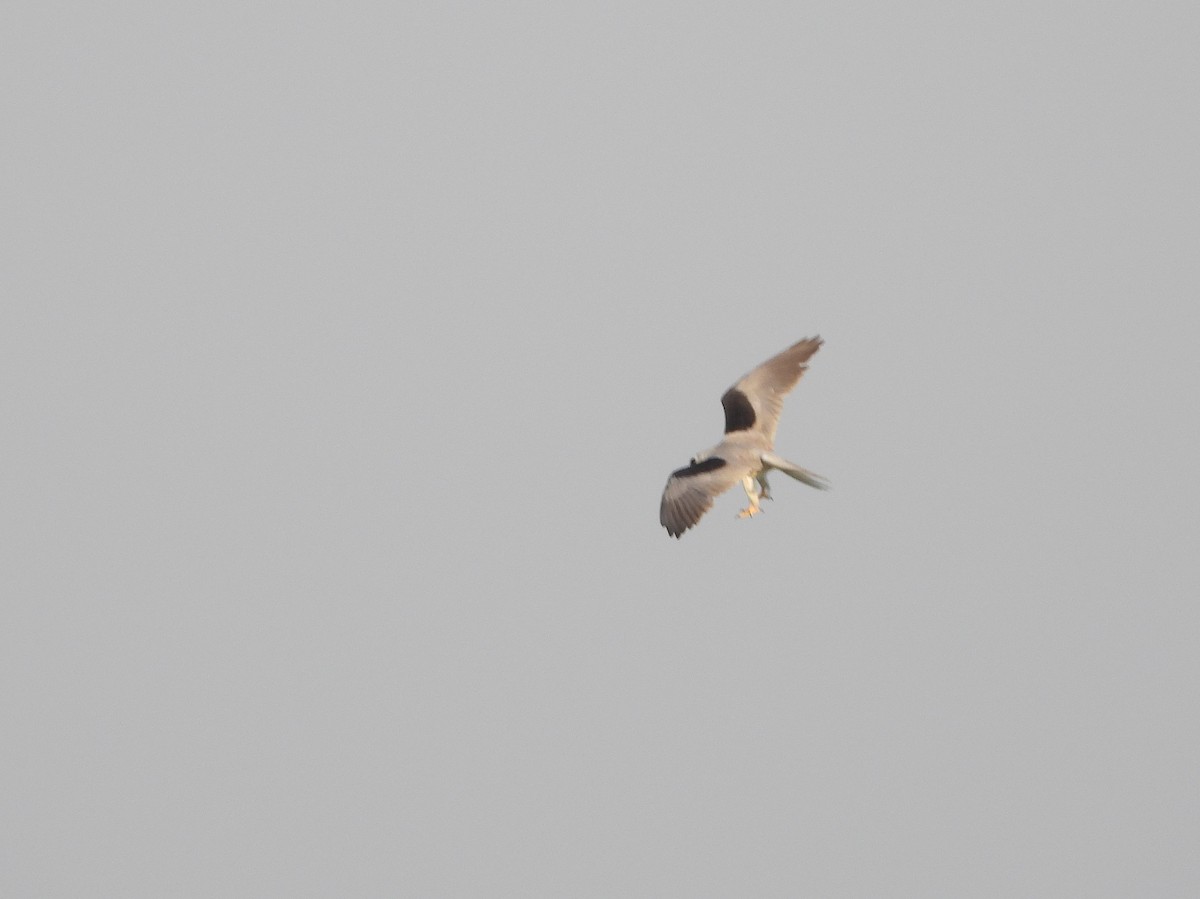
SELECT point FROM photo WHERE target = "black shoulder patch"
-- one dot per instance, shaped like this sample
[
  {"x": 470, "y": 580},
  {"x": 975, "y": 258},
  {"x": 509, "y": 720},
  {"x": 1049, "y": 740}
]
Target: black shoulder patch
[
  {"x": 739, "y": 412},
  {"x": 712, "y": 463}
]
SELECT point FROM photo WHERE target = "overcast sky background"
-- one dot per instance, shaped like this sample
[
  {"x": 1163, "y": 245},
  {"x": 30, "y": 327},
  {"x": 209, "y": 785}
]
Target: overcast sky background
[{"x": 347, "y": 348}]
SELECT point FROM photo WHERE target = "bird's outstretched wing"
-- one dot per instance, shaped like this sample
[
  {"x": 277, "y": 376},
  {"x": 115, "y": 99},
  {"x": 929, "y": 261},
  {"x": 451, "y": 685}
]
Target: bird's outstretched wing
[
  {"x": 690, "y": 492},
  {"x": 756, "y": 400}
]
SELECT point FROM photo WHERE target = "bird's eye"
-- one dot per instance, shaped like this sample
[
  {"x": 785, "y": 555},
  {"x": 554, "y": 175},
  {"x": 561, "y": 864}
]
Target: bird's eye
[{"x": 694, "y": 460}]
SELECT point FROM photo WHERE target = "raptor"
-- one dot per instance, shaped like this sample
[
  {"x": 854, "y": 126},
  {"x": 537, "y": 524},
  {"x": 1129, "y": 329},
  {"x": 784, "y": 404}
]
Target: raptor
[{"x": 747, "y": 451}]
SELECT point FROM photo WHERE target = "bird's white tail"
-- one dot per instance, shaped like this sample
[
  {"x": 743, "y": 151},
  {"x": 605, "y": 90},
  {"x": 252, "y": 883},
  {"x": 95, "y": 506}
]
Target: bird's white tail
[{"x": 803, "y": 475}]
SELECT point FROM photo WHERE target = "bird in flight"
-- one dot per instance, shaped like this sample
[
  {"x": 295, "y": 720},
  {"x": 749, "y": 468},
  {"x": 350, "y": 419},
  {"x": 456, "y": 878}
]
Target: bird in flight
[{"x": 746, "y": 452}]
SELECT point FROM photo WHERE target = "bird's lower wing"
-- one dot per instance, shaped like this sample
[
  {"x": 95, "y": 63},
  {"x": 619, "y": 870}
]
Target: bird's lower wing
[{"x": 689, "y": 494}]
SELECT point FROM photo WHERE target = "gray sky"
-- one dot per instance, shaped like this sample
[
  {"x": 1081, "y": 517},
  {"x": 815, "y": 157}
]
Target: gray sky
[{"x": 347, "y": 349}]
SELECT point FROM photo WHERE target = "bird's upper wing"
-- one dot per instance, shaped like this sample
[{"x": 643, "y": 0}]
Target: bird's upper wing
[
  {"x": 757, "y": 399},
  {"x": 690, "y": 492}
]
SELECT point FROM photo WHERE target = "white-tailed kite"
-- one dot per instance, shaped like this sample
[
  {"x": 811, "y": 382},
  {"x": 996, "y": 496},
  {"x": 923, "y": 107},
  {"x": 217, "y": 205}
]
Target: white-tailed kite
[{"x": 752, "y": 408}]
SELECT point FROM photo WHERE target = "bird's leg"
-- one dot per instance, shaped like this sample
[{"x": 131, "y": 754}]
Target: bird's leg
[
  {"x": 752, "y": 509},
  {"x": 765, "y": 491}
]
